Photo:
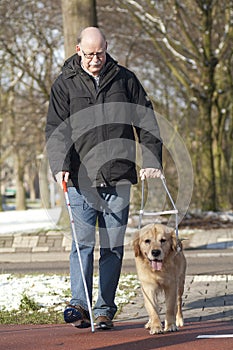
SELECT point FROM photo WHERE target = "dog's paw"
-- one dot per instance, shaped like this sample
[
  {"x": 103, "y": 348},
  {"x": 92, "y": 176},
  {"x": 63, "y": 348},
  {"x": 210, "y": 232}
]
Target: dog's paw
[
  {"x": 171, "y": 328},
  {"x": 179, "y": 321},
  {"x": 154, "y": 328}
]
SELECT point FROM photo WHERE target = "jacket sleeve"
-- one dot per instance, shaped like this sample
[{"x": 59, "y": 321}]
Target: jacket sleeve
[
  {"x": 58, "y": 140},
  {"x": 146, "y": 126}
]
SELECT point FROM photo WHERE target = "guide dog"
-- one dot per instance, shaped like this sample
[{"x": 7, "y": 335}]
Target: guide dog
[{"x": 160, "y": 267}]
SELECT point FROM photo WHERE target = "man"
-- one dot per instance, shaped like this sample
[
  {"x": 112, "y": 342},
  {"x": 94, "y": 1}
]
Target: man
[{"x": 95, "y": 108}]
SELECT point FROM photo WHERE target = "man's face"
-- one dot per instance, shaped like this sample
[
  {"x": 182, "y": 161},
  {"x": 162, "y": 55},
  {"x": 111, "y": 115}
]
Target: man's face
[{"x": 93, "y": 55}]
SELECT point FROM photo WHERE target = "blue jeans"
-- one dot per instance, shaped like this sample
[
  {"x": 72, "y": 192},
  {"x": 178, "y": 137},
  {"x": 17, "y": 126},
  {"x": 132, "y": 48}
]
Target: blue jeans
[{"x": 109, "y": 207}]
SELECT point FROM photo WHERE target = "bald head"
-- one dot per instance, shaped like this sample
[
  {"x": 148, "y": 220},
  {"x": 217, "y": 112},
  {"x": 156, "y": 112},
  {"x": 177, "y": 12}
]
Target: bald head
[
  {"x": 91, "y": 34},
  {"x": 92, "y": 48}
]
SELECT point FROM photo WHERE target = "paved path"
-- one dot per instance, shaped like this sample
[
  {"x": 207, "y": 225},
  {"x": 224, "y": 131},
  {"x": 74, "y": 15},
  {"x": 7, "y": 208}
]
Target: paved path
[
  {"x": 206, "y": 298},
  {"x": 124, "y": 336},
  {"x": 207, "y": 301}
]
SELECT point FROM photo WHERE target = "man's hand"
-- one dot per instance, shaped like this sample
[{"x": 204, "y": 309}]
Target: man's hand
[
  {"x": 150, "y": 173},
  {"x": 62, "y": 176}
]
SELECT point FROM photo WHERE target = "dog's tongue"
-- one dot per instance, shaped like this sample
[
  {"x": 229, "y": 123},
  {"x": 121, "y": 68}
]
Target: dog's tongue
[{"x": 156, "y": 265}]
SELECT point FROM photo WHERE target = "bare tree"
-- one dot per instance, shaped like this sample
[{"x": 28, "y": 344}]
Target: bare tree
[
  {"x": 193, "y": 42},
  {"x": 183, "y": 55},
  {"x": 30, "y": 39}
]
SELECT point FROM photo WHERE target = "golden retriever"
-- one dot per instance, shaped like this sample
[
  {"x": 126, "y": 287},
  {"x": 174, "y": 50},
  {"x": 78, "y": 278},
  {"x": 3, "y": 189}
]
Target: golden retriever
[{"x": 160, "y": 267}]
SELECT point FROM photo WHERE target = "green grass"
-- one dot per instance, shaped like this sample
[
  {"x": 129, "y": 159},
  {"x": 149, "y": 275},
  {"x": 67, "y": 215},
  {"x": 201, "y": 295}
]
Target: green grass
[
  {"x": 30, "y": 317},
  {"x": 30, "y": 312}
]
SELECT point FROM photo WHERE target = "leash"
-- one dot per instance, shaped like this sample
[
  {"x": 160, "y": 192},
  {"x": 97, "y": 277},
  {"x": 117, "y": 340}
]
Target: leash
[{"x": 165, "y": 212}]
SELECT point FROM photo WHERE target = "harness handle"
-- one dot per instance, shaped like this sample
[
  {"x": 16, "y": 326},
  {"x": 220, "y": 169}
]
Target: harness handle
[{"x": 174, "y": 211}]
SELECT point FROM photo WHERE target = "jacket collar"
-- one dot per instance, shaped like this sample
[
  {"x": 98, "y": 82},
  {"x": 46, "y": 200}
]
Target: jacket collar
[{"x": 72, "y": 66}]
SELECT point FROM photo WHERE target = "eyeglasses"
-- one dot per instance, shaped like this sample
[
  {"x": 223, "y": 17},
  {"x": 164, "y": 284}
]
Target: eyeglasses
[{"x": 90, "y": 56}]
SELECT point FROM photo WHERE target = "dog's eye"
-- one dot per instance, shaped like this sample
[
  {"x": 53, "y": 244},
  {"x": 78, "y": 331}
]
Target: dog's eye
[
  {"x": 147, "y": 241},
  {"x": 162, "y": 240}
]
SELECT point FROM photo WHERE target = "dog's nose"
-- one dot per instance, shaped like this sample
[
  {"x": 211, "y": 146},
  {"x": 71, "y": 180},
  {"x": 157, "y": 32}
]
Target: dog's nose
[{"x": 155, "y": 252}]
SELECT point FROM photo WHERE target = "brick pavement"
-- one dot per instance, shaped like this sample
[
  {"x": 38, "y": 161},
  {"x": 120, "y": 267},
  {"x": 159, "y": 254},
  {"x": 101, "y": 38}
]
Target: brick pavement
[
  {"x": 60, "y": 241},
  {"x": 51, "y": 241},
  {"x": 205, "y": 298}
]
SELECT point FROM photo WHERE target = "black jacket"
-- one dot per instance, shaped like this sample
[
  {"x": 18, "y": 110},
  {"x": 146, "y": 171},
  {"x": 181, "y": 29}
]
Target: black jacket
[{"x": 91, "y": 129}]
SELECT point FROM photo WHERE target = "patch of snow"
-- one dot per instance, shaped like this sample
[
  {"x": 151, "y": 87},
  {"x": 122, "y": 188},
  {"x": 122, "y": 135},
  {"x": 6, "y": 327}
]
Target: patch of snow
[
  {"x": 28, "y": 220},
  {"x": 53, "y": 290}
]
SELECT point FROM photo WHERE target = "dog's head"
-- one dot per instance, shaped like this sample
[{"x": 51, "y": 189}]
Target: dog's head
[{"x": 154, "y": 243}]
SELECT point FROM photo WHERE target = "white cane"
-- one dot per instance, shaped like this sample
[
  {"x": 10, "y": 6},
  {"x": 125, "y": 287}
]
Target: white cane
[{"x": 64, "y": 185}]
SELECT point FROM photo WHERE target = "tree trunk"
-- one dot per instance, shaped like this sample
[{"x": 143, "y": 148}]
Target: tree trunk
[
  {"x": 20, "y": 190},
  {"x": 32, "y": 191},
  {"x": 1, "y": 200},
  {"x": 44, "y": 188},
  {"x": 206, "y": 173},
  {"x": 77, "y": 14}
]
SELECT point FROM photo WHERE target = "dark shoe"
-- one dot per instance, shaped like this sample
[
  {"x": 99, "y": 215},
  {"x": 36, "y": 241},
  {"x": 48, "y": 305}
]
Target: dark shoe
[
  {"x": 77, "y": 316},
  {"x": 104, "y": 322}
]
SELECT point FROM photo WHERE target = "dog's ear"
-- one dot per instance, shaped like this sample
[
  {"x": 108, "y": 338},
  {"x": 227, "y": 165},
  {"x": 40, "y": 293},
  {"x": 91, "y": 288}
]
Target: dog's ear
[
  {"x": 136, "y": 246},
  {"x": 174, "y": 241}
]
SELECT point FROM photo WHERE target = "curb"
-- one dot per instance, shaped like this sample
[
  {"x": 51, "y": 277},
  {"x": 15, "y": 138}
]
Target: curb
[{"x": 55, "y": 245}]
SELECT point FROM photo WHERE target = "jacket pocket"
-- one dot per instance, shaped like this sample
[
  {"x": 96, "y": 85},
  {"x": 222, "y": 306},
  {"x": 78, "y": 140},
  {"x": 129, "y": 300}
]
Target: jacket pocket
[
  {"x": 117, "y": 96},
  {"x": 77, "y": 103}
]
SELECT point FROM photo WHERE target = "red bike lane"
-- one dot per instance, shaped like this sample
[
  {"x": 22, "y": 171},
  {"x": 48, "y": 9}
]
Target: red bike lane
[{"x": 125, "y": 336}]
